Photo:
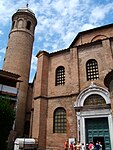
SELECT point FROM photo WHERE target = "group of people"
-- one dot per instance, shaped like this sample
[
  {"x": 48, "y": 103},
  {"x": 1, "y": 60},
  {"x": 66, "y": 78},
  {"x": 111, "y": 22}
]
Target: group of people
[
  {"x": 74, "y": 146},
  {"x": 92, "y": 146},
  {"x": 78, "y": 146}
]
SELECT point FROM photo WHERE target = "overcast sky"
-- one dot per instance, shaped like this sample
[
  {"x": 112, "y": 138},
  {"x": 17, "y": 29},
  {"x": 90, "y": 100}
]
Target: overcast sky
[{"x": 59, "y": 21}]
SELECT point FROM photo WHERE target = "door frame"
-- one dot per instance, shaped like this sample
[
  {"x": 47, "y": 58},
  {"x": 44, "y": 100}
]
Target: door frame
[
  {"x": 81, "y": 116},
  {"x": 92, "y": 113}
]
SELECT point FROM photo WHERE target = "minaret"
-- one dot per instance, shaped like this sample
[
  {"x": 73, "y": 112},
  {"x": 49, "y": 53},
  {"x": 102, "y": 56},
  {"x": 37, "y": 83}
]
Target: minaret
[{"x": 18, "y": 57}]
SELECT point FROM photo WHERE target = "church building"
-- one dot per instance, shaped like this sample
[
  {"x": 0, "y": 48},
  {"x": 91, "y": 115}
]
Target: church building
[{"x": 68, "y": 99}]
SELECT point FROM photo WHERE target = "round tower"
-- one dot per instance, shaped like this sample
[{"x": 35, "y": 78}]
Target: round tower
[{"x": 18, "y": 57}]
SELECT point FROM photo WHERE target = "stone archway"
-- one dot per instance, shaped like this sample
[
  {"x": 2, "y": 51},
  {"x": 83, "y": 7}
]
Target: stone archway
[
  {"x": 92, "y": 89},
  {"x": 93, "y": 111}
]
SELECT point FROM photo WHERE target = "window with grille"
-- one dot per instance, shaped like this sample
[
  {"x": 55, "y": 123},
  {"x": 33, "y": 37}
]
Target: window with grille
[
  {"x": 60, "y": 75},
  {"x": 92, "y": 70},
  {"x": 59, "y": 121}
]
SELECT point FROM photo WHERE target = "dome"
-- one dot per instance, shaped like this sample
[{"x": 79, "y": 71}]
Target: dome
[{"x": 26, "y": 9}]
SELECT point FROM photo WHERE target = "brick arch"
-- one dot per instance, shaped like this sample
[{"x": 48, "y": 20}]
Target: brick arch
[
  {"x": 92, "y": 89},
  {"x": 59, "y": 108},
  {"x": 98, "y": 37}
]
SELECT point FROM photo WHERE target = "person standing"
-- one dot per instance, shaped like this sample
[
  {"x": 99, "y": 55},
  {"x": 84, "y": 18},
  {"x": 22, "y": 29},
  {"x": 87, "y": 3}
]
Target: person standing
[
  {"x": 100, "y": 146},
  {"x": 87, "y": 146},
  {"x": 78, "y": 146},
  {"x": 66, "y": 145},
  {"x": 71, "y": 146},
  {"x": 82, "y": 146},
  {"x": 97, "y": 145},
  {"x": 74, "y": 146},
  {"x": 91, "y": 146}
]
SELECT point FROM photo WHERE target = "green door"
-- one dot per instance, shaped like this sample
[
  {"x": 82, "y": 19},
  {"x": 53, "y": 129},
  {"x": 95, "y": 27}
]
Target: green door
[{"x": 97, "y": 129}]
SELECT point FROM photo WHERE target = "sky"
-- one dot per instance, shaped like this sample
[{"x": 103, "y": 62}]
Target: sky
[{"x": 59, "y": 22}]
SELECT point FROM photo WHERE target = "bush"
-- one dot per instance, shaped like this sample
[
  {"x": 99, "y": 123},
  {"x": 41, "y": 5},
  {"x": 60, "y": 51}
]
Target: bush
[{"x": 7, "y": 116}]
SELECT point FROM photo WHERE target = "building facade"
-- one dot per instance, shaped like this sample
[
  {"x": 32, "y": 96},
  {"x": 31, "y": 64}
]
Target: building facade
[{"x": 68, "y": 98}]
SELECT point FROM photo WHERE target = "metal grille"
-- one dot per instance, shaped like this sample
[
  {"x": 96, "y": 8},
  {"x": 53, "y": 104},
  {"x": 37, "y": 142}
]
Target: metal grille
[
  {"x": 92, "y": 70},
  {"x": 59, "y": 121},
  {"x": 60, "y": 75}
]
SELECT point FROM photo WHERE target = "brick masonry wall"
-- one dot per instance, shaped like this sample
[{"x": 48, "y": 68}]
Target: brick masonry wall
[
  {"x": 94, "y": 34},
  {"x": 74, "y": 60},
  {"x": 55, "y": 140}
]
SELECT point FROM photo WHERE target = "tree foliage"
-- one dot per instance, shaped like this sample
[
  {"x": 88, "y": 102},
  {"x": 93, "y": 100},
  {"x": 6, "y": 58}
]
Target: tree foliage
[{"x": 7, "y": 116}]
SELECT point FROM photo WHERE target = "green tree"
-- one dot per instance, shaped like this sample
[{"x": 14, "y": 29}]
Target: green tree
[{"x": 7, "y": 116}]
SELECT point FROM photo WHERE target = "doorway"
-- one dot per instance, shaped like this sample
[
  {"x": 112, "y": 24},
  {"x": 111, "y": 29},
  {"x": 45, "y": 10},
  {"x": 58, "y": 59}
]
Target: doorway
[{"x": 97, "y": 129}]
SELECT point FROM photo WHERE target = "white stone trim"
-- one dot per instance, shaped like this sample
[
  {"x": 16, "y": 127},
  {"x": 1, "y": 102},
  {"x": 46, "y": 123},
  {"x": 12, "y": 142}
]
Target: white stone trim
[
  {"x": 110, "y": 121},
  {"x": 92, "y": 89},
  {"x": 94, "y": 114},
  {"x": 83, "y": 114}
]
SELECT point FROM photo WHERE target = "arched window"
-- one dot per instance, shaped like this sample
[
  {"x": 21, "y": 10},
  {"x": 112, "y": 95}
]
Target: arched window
[
  {"x": 28, "y": 25},
  {"x": 59, "y": 121},
  {"x": 92, "y": 70},
  {"x": 60, "y": 75}
]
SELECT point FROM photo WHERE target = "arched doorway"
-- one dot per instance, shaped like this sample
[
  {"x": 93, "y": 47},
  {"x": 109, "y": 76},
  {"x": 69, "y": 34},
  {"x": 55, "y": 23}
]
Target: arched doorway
[{"x": 94, "y": 120}]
